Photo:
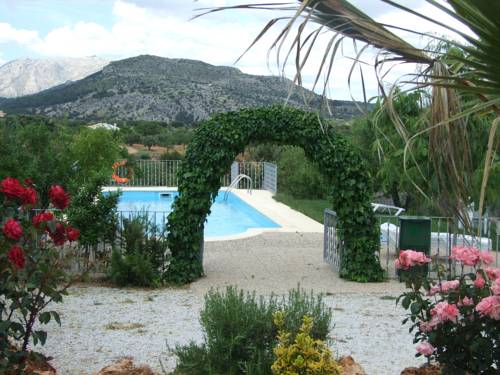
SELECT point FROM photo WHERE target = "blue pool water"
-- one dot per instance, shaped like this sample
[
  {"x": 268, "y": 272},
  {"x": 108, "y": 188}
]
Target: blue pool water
[{"x": 229, "y": 217}]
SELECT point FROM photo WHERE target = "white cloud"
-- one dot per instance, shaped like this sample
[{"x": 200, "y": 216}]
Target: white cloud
[
  {"x": 151, "y": 27},
  {"x": 9, "y": 34}
]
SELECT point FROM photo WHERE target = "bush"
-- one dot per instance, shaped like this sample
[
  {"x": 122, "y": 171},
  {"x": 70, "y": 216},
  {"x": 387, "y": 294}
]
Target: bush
[
  {"x": 457, "y": 320},
  {"x": 303, "y": 356},
  {"x": 240, "y": 334},
  {"x": 300, "y": 177},
  {"x": 143, "y": 155},
  {"x": 143, "y": 257},
  {"x": 32, "y": 273},
  {"x": 172, "y": 155},
  {"x": 132, "y": 270}
]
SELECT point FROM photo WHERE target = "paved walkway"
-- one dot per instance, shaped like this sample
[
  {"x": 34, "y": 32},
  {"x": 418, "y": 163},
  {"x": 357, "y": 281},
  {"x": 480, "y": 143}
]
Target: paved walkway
[{"x": 276, "y": 262}]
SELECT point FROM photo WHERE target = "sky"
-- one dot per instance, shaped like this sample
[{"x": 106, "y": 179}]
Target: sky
[{"x": 116, "y": 29}]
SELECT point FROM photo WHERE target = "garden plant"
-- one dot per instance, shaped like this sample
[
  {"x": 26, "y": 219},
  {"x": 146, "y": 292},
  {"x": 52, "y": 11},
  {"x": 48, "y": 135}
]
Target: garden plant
[
  {"x": 239, "y": 334},
  {"x": 456, "y": 320},
  {"x": 32, "y": 270}
]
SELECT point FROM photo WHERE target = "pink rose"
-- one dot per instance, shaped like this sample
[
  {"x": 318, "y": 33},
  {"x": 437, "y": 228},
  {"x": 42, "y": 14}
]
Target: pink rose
[
  {"x": 493, "y": 273},
  {"x": 479, "y": 282},
  {"x": 495, "y": 288},
  {"x": 489, "y": 306},
  {"x": 445, "y": 311},
  {"x": 425, "y": 348},
  {"x": 466, "y": 301},
  {"x": 444, "y": 287},
  {"x": 486, "y": 257},
  {"x": 410, "y": 258},
  {"x": 469, "y": 256},
  {"x": 428, "y": 326}
]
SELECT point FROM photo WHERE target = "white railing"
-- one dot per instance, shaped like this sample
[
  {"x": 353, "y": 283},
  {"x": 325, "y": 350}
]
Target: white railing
[{"x": 165, "y": 173}]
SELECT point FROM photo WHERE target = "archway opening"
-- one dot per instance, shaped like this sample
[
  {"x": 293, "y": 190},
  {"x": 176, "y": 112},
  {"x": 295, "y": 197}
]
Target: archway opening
[{"x": 215, "y": 145}]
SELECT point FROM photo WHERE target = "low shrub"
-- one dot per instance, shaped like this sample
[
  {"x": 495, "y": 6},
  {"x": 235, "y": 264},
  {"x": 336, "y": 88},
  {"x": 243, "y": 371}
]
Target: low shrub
[
  {"x": 240, "y": 334},
  {"x": 456, "y": 320},
  {"x": 143, "y": 255},
  {"x": 132, "y": 270},
  {"x": 304, "y": 355}
]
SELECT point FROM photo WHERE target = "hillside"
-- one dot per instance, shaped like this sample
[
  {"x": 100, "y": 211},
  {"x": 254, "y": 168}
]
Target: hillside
[
  {"x": 29, "y": 76},
  {"x": 156, "y": 88}
]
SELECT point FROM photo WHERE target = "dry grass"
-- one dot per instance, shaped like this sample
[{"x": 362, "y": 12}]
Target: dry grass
[{"x": 117, "y": 326}]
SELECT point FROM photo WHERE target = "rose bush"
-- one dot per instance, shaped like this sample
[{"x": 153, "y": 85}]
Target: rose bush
[
  {"x": 456, "y": 321},
  {"x": 31, "y": 269}
]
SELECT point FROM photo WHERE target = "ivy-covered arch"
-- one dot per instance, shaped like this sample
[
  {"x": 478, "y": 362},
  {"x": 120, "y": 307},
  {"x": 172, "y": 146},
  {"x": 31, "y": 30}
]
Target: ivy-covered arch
[{"x": 216, "y": 143}]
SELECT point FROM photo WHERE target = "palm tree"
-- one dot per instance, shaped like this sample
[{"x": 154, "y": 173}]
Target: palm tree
[{"x": 462, "y": 79}]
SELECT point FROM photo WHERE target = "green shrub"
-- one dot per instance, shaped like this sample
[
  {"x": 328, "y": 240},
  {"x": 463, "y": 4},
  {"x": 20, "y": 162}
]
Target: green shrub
[
  {"x": 172, "y": 155},
  {"x": 143, "y": 155},
  {"x": 300, "y": 177},
  {"x": 143, "y": 254},
  {"x": 240, "y": 334},
  {"x": 132, "y": 270}
]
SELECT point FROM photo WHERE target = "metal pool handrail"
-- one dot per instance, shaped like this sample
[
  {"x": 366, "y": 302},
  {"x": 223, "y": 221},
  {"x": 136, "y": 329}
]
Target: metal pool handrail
[{"x": 235, "y": 183}]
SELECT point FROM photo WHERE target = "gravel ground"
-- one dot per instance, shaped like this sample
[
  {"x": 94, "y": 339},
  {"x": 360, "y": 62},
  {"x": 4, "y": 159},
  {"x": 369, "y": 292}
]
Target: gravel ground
[{"x": 102, "y": 324}]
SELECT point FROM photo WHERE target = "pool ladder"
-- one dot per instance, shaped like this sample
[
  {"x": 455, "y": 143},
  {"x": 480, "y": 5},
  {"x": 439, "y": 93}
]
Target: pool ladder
[{"x": 236, "y": 182}]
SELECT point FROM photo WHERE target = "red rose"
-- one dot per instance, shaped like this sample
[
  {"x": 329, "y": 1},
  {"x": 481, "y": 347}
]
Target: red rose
[
  {"x": 29, "y": 197},
  {"x": 58, "y": 197},
  {"x": 72, "y": 233},
  {"x": 59, "y": 235},
  {"x": 11, "y": 187},
  {"x": 28, "y": 182},
  {"x": 42, "y": 218},
  {"x": 12, "y": 229},
  {"x": 16, "y": 256}
]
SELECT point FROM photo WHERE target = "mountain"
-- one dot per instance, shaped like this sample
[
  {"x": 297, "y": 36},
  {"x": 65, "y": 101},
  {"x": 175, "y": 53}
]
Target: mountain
[
  {"x": 29, "y": 76},
  {"x": 156, "y": 88}
]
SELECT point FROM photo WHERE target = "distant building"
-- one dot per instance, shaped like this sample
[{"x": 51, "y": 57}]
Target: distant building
[
  {"x": 2, "y": 114},
  {"x": 103, "y": 125}
]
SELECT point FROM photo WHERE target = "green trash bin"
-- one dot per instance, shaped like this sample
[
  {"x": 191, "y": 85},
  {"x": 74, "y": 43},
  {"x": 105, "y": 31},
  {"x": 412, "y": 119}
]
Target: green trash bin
[{"x": 415, "y": 234}]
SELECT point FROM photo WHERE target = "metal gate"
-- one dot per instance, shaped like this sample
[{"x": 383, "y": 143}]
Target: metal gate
[{"x": 332, "y": 245}]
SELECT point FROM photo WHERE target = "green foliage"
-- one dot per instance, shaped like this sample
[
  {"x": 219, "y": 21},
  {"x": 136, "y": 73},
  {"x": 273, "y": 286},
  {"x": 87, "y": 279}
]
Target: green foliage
[
  {"x": 30, "y": 281},
  {"x": 38, "y": 149},
  {"x": 132, "y": 270},
  {"x": 299, "y": 177},
  {"x": 172, "y": 155},
  {"x": 379, "y": 141},
  {"x": 210, "y": 154},
  {"x": 303, "y": 356},
  {"x": 143, "y": 258},
  {"x": 151, "y": 133},
  {"x": 240, "y": 334},
  {"x": 94, "y": 213},
  {"x": 94, "y": 151},
  {"x": 52, "y": 152}
]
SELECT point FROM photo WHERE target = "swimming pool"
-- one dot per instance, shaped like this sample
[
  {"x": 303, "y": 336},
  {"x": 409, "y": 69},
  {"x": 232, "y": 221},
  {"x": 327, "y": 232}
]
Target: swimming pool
[{"x": 231, "y": 217}]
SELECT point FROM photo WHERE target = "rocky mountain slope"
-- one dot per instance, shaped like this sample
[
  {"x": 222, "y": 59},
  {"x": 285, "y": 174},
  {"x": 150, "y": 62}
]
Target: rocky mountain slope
[
  {"x": 157, "y": 88},
  {"x": 29, "y": 76}
]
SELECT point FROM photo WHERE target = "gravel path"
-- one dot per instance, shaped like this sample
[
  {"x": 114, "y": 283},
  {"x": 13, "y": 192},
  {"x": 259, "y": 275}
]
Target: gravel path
[{"x": 101, "y": 324}]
